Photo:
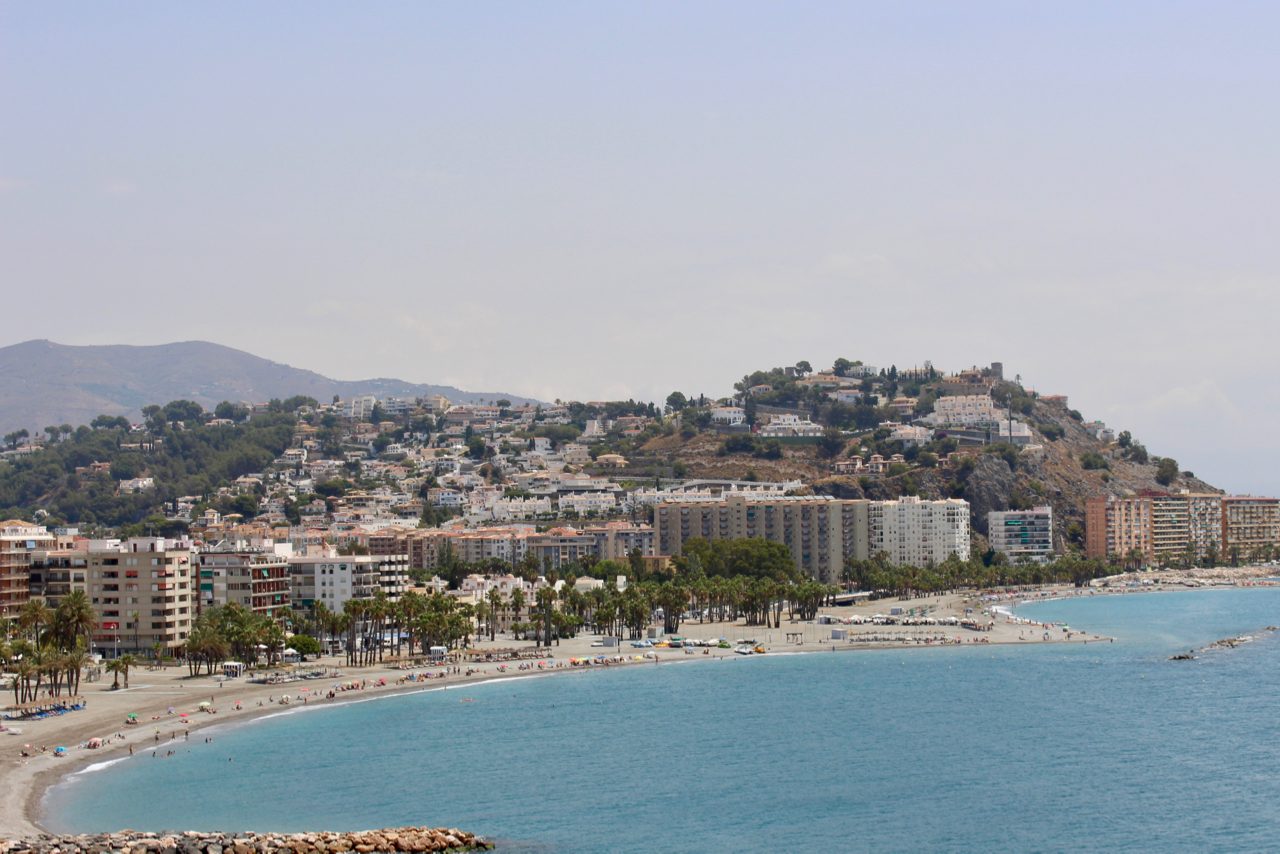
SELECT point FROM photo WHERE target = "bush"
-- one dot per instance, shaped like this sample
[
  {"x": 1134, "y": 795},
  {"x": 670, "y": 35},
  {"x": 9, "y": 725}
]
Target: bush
[
  {"x": 1093, "y": 461},
  {"x": 927, "y": 459},
  {"x": 1051, "y": 432},
  {"x": 896, "y": 469},
  {"x": 738, "y": 443},
  {"x": 771, "y": 449},
  {"x": 1166, "y": 471}
]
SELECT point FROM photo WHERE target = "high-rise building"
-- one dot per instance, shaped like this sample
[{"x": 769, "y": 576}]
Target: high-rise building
[
  {"x": 18, "y": 540},
  {"x": 1172, "y": 525},
  {"x": 335, "y": 579},
  {"x": 1249, "y": 522},
  {"x": 919, "y": 532},
  {"x": 1022, "y": 535},
  {"x": 143, "y": 592},
  {"x": 821, "y": 532},
  {"x": 1118, "y": 526},
  {"x": 254, "y": 575}
]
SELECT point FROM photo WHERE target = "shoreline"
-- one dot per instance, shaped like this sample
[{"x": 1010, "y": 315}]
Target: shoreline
[{"x": 28, "y": 782}]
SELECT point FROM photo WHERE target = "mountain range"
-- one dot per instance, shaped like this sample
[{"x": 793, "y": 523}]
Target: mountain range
[{"x": 44, "y": 383}]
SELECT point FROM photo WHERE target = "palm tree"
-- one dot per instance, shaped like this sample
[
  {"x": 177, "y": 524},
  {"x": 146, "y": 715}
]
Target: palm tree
[
  {"x": 127, "y": 661},
  {"x": 75, "y": 618},
  {"x": 517, "y": 602},
  {"x": 33, "y": 616},
  {"x": 76, "y": 662},
  {"x": 22, "y": 676},
  {"x": 115, "y": 667},
  {"x": 495, "y": 604}
]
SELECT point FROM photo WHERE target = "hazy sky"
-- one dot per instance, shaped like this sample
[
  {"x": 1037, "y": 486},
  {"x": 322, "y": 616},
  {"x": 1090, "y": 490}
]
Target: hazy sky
[{"x": 616, "y": 200}]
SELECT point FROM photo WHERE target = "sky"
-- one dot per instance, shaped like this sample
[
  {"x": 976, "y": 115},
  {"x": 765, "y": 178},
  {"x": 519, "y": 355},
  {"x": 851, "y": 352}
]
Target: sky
[{"x": 606, "y": 200}]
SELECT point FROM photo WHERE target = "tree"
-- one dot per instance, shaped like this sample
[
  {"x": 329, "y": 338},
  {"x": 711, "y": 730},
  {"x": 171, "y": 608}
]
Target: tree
[
  {"x": 677, "y": 401},
  {"x": 803, "y": 367},
  {"x": 841, "y": 367},
  {"x": 12, "y": 439},
  {"x": 1093, "y": 461},
  {"x": 831, "y": 443},
  {"x": 1126, "y": 439},
  {"x": 1166, "y": 471},
  {"x": 305, "y": 645}
]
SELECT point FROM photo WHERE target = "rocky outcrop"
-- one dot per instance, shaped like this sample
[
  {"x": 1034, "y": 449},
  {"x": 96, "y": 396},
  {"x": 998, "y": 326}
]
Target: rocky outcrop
[{"x": 414, "y": 839}]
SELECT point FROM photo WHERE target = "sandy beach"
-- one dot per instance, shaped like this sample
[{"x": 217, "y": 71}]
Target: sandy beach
[{"x": 152, "y": 693}]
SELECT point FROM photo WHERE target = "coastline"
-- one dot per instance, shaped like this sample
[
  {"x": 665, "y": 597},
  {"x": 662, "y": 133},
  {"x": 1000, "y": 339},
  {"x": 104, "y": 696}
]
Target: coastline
[{"x": 28, "y": 782}]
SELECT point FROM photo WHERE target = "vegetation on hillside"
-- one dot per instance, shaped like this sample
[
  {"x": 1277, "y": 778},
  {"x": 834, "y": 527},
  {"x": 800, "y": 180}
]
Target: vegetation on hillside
[{"x": 184, "y": 457}]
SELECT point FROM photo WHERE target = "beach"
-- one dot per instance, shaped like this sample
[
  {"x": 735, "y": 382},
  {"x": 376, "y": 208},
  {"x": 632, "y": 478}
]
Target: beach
[{"x": 153, "y": 693}]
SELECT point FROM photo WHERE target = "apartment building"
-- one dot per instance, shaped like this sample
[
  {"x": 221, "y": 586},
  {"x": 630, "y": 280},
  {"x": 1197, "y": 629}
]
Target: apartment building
[
  {"x": 963, "y": 410},
  {"x": 1171, "y": 525},
  {"x": 617, "y": 540},
  {"x": 820, "y": 532},
  {"x": 336, "y": 579},
  {"x": 1022, "y": 535},
  {"x": 55, "y": 573},
  {"x": 561, "y": 546},
  {"x": 253, "y": 574},
  {"x": 18, "y": 540},
  {"x": 142, "y": 590},
  {"x": 916, "y": 531},
  {"x": 399, "y": 405},
  {"x": 1249, "y": 522},
  {"x": 1204, "y": 521},
  {"x": 1118, "y": 526}
]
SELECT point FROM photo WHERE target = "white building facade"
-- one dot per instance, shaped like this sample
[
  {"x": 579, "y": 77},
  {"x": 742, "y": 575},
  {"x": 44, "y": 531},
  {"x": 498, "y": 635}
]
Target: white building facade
[{"x": 918, "y": 532}]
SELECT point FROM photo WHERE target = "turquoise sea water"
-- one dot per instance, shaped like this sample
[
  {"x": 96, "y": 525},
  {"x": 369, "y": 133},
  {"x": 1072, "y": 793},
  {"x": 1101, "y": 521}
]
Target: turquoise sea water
[{"x": 1058, "y": 747}]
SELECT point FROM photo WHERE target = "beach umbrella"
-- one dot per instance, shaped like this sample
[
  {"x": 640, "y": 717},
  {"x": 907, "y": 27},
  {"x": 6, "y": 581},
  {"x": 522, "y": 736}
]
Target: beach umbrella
[
  {"x": 204, "y": 704},
  {"x": 133, "y": 716}
]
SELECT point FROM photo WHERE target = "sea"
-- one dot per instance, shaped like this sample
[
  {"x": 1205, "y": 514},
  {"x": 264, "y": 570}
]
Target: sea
[{"x": 1105, "y": 746}]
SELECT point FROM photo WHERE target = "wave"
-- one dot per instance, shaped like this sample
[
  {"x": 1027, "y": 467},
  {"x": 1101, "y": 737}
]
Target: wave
[{"x": 96, "y": 766}]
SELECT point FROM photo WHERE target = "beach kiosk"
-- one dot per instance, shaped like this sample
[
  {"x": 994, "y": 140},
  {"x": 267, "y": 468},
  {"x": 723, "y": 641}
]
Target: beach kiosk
[
  {"x": 438, "y": 654},
  {"x": 233, "y": 669}
]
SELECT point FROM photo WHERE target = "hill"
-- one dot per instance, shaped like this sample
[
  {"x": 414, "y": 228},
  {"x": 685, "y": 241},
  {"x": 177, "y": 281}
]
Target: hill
[{"x": 42, "y": 382}]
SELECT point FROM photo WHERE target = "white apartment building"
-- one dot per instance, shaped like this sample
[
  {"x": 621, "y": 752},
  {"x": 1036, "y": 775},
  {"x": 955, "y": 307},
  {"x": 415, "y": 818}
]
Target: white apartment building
[
  {"x": 964, "y": 410},
  {"x": 507, "y": 509},
  {"x": 585, "y": 502},
  {"x": 399, "y": 405},
  {"x": 917, "y": 532},
  {"x": 1022, "y": 535},
  {"x": 790, "y": 425},
  {"x": 336, "y": 579},
  {"x": 358, "y": 407}
]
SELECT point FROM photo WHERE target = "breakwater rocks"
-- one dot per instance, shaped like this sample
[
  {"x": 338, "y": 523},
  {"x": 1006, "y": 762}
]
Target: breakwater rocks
[{"x": 192, "y": 842}]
